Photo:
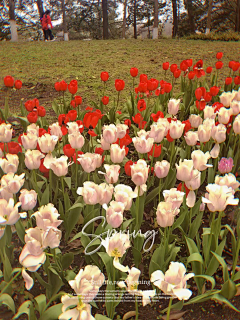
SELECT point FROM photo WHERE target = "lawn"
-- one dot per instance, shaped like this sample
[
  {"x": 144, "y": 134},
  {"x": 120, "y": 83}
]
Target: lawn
[{"x": 40, "y": 64}]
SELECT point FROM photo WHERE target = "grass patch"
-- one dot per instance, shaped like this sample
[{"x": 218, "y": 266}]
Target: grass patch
[{"x": 40, "y": 64}]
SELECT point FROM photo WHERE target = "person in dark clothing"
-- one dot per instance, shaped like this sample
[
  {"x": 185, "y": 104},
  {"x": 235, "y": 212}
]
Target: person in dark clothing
[{"x": 47, "y": 25}]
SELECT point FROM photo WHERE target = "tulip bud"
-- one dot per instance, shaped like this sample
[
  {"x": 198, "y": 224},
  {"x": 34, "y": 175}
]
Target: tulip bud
[
  {"x": 90, "y": 161},
  {"x": 165, "y": 214},
  {"x": 176, "y": 129},
  {"x": 219, "y": 133},
  {"x": 76, "y": 140},
  {"x": 28, "y": 199},
  {"x": 173, "y": 106},
  {"x": 55, "y": 130},
  {"x": 10, "y": 164},
  {"x": 91, "y": 193},
  {"x": 5, "y": 132},
  {"x": 114, "y": 213},
  {"x": 191, "y": 138},
  {"x": 29, "y": 141},
  {"x": 185, "y": 170},
  {"x": 236, "y": 125},
  {"x": 161, "y": 169},
  {"x": 121, "y": 130},
  {"x": 117, "y": 154},
  {"x": 110, "y": 133},
  {"x": 200, "y": 160},
  {"x": 112, "y": 173},
  {"x": 33, "y": 159},
  {"x": 139, "y": 172},
  {"x": 224, "y": 115},
  {"x": 60, "y": 166}
]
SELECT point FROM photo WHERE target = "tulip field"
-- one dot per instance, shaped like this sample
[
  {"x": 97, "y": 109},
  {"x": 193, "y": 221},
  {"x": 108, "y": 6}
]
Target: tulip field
[{"x": 127, "y": 208}]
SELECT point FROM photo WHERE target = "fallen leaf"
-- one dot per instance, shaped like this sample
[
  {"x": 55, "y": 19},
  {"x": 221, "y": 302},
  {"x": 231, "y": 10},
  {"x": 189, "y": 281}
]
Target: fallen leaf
[
  {"x": 175, "y": 315},
  {"x": 129, "y": 315}
]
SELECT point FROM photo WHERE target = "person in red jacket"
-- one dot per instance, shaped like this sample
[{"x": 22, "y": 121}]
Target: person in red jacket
[{"x": 47, "y": 25}]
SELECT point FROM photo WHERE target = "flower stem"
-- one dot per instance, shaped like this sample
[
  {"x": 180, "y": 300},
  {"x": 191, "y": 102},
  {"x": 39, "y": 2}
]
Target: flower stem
[
  {"x": 10, "y": 282},
  {"x": 136, "y": 307},
  {"x": 169, "y": 308},
  {"x": 159, "y": 190},
  {"x": 76, "y": 167},
  {"x": 137, "y": 211}
]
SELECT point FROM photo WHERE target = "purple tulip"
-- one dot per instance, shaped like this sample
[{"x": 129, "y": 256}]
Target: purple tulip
[{"x": 225, "y": 165}]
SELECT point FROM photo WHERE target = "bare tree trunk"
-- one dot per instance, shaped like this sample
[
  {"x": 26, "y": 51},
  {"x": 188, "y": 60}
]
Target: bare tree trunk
[
  {"x": 64, "y": 22},
  {"x": 124, "y": 19},
  {"x": 99, "y": 36},
  {"x": 105, "y": 18},
  {"x": 175, "y": 18},
  {"x": 12, "y": 21},
  {"x": 40, "y": 7},
  {"x": 237, "y": 26},
  {"x": 135, "y": 19},
  {"x": 155, "y": 25},
  {"x": 209, "y": 17},
  {"x": 190, "y": 15}
]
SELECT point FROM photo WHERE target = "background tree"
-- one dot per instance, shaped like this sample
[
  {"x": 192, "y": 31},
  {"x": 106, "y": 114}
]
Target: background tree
[
  {"x": 12, "y": 21},
  {"x": 155, "y": 25},
  {"x": 105, "y": 18},
  {"x": 124, "y": 18},
  {"x": 65, "y": 32}
]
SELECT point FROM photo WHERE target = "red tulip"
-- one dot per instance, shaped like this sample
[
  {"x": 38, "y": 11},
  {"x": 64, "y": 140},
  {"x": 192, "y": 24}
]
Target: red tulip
[
  {"x": 191, "y": 75},
  {"x": 127, "y": 168},
  {"x": 152, "y": 84},
  {"x": 63, "y": 119},
  {"x": 78, "y": 100},
  {"x": 228, "y": 81},
  {"x": 237, "y": 80},
  {"x": 72, "y": 87},
  {"x": 173, "y": 67},
  {"x": 32, "y": 117},
  {"x": 9, "y": 81},
  {"x": 134, "y": 72},
  {"x": 91, "y": 119},
  {"x": 76, "y": 155},
  {"x": 209, "y": 70},
  {"x": 142, "y": 87},
  {"x": 184, "y": 65},
  {"x": 18, "y": 84},
  {"x": 42, "y": 168},
  {"x": 41, "y": 132},
  {"x": 143, "y": 78},
  {"x": 219, "y": 65},
  {"x": 187, "y": 125},
  {"x": 156, "y": 116},
  {"x": 214, "y": 91},
  {"x": 68, "y": 150},
  {"x": 63, "y": 85},
  {"x": 167, "y": 87},
  {"x": 119, "y": 84},
  {"x": 157, "y": 151},
  {"x": 128, "y": 122},
  {"x": 104, "y": 76},
  {"x": 41, "y": 111},
  {"x": 165, "y": 66},
  {"x": 57, "y": 86},
  {"x": 141, "y": 105},
  {"x": 72, "y": 114},
  {"x": 105, "y": 100},
  {"x": 99, "y": 151},
  {"x": 29, "y": 105},
  {"x": 219, "y": 55},
  {"x": 177, "y": 74}
]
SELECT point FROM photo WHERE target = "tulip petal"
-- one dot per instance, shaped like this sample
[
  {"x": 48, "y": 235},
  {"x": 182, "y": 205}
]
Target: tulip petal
[
  {"x": 182, "y": 294},
  {"x": 119, "y": 266},
  {"x": 215, "y": 151},
  {"x": 121, "y": 284},
  {"x": 191, "y": 199},
  {"x": 27, "y": 279}
]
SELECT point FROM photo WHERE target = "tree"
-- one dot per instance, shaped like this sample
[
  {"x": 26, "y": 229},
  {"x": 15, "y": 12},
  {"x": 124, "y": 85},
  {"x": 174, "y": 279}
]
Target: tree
[
  {"x": 124, "y": 19},
  {"x": 237, "y": 26},
  {"x": 12, "y": 21},
  {"x": 175, "y": 18},
  {"x": 209, "y": 16},
  {"x": 105, "y": 18},
  {"x": 64, "y": 21},
  {"x": 155, "y": 26},
  {"x": 40, "y": 7},
  {"x": 189, "y": 7}
]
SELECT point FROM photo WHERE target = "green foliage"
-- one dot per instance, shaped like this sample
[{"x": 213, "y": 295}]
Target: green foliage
[{"x": 216, "y": 36}]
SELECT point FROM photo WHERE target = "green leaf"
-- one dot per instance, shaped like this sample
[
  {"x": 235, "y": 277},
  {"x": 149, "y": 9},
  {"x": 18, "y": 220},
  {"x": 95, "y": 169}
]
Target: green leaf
[
  {"x": 101, "y": 317},
  {"x": 41, "y": 303},
  {"x": 72, "y": 220},
  {"x": 67, "y": 259},
  {"x": 222, "y": 299},
  {"x": 20, "y": 230},
  {"x": 8, "y": 301},
  {"x": 77, "y": 236},
  {"x": 195, "y": 257},
  {"x": 229, "y": 289},
  {"x": 27, "y": 308},
  {"x": 68, "y": 181},
  {"x": 45, "y": 196},
  {"x": 137, "y": 256},
  {"x": 108, "y": 262},
  {"x": 224, "y": 266},
  {"x": 208, "y": 278},
  {"x": 52, "y": 313},
  {"x": 76, "y": 205},
  {"x": 151, "y": 195}
]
